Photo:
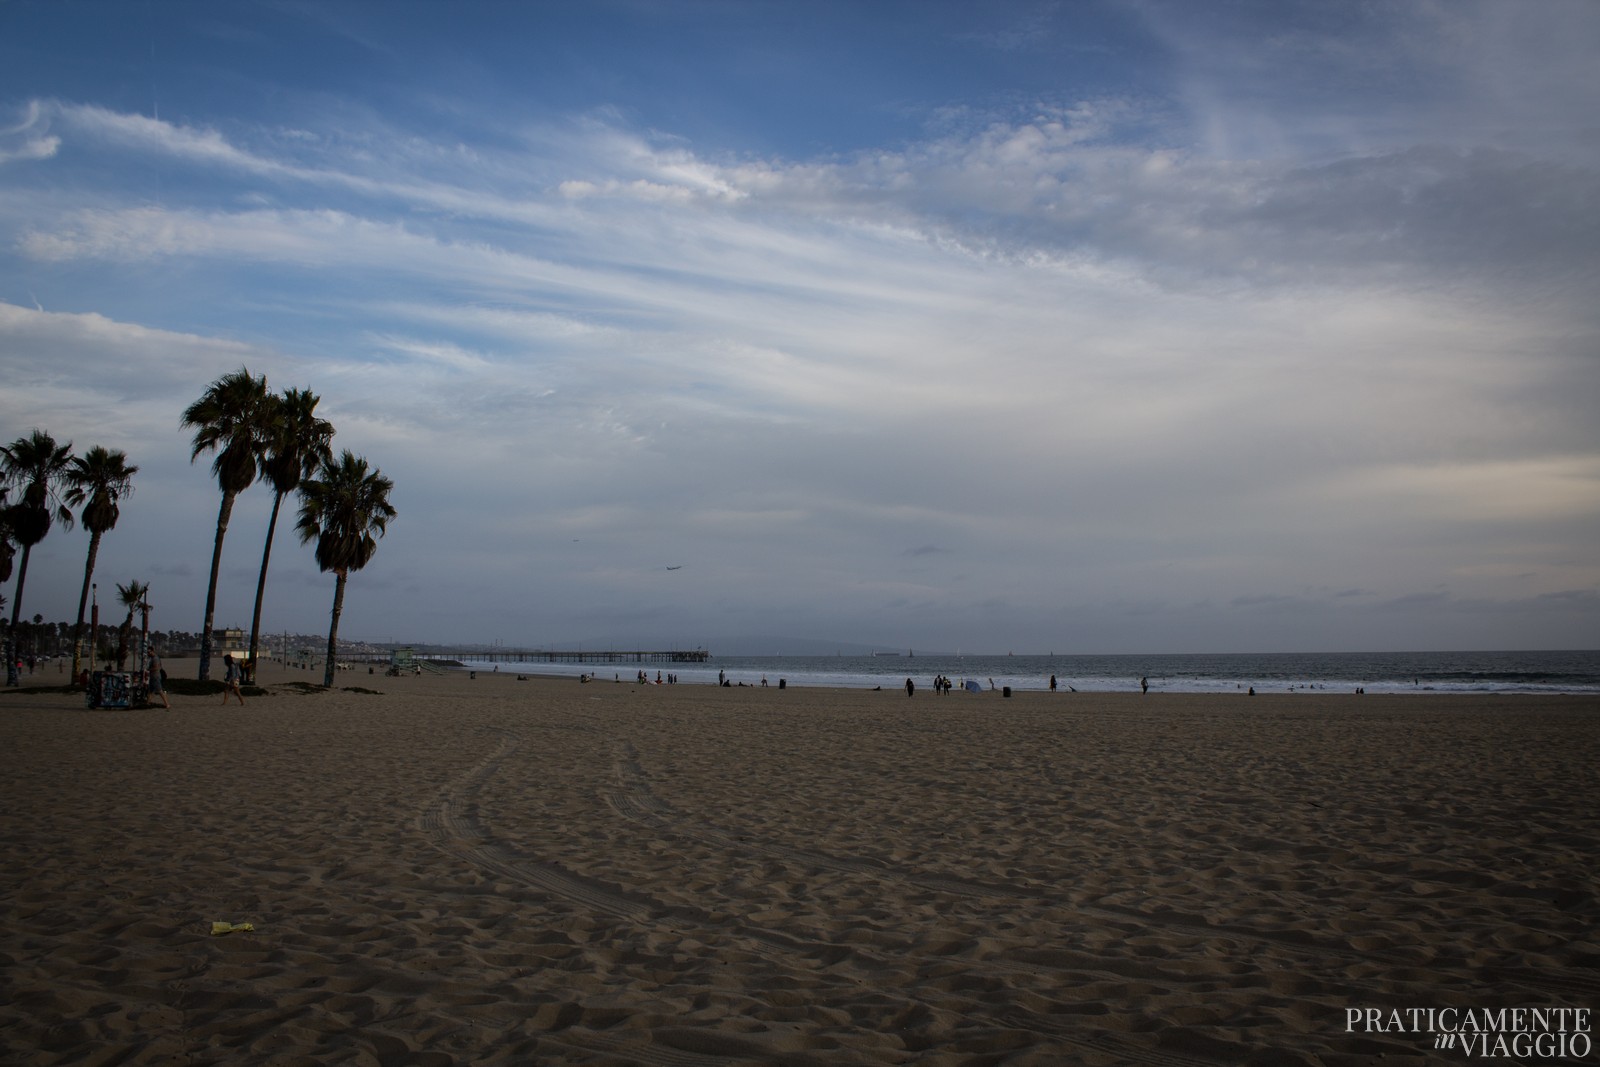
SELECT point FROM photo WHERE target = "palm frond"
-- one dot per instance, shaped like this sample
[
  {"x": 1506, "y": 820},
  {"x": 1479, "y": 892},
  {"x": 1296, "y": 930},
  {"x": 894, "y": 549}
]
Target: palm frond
[
  {"x": 231, "y": 419},
  {"x": 34, "y": 465},
  {"x": 97, "y": 481},
  {"x": 345, "y": 511}
]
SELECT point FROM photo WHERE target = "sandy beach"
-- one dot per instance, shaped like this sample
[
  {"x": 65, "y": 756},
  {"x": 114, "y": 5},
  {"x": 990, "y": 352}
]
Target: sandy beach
[{"x": 456, "y": 870}]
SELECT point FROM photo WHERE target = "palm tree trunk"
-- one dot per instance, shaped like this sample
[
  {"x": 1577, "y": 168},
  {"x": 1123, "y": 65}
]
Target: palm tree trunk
[
  {"x": 261, "y": 582},
  {"x": 16, "y": 611},
  {"x": 83, "y": 602},
  {"x": 211, "y": 591},
  {"x": 333, "y": 628},
  {"x": 124, "y": 634}
]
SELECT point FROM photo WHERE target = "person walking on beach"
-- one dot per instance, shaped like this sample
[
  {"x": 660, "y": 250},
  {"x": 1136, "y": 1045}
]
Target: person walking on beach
[
  {"x": 230, "y": 681},
  {"x": 154, "y": 687},
  {"x": 1144, "y": 685},
  {"x": 911, "y": 687}
]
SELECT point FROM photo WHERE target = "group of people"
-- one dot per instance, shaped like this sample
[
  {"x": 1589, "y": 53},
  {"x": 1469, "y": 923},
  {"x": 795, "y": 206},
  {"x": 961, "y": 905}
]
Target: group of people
[
  {"x": 153, "y": 675},
  {"x": 232, "y": 681},
  {"x": 233, "y": 677},
  {"x": 643, "y": 678},
  {"x": 941, "y": 685}
]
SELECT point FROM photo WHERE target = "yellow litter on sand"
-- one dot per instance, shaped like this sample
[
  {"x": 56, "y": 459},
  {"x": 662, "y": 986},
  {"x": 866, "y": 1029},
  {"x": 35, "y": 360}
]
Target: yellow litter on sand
[{"x": 218, "y": 929}]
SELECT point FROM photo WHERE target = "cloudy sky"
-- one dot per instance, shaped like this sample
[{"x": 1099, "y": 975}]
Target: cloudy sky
[{"x": 1103, "y": 326}]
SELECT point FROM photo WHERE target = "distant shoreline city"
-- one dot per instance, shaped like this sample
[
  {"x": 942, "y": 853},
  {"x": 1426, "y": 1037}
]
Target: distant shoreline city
[{"x": 856, "y": 666}]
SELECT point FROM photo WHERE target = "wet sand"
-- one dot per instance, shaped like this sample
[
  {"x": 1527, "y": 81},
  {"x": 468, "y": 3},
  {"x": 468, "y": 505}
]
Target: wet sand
[{"x": 493, "y": 871}]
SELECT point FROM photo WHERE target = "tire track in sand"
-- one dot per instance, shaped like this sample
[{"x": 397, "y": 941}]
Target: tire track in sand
[
  {"x": 451, "y": 822},
  {"x": 634, "y": 799}
]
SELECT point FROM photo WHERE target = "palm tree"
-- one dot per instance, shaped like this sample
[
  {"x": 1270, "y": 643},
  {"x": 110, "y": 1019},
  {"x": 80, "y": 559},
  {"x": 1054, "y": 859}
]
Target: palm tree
[
  {"x": 341, "y": 511},
  {"x": 228, "y": 419},
  {"x": 7, "y": 549},
  {"x": 298, "y": 444},
  {"x": 97, "y": 482},
  {"x": 129, "y": 596},
  {"x": 34, "y": 465}
]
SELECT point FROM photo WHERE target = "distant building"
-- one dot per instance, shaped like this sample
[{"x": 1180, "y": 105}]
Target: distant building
[{"x": 228, "y": 641}]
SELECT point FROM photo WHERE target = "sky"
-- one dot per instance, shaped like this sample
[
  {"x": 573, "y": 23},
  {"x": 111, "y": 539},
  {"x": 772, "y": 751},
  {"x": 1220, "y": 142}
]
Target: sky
[{"x": 1103, "y": 326}]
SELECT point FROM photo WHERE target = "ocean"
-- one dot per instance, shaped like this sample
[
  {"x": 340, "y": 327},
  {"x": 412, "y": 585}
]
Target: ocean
[{"x": 1374, "y": 672}]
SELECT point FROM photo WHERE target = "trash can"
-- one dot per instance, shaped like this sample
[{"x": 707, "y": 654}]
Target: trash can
[
  {"x": 782, "y": 683},
  {"x": 1005, "y": 691}
]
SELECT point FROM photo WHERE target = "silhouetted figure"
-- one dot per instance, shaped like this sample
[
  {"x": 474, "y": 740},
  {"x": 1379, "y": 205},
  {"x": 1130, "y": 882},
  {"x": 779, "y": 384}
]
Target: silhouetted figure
[
  {"x": 155, "y": 683},
  {"x": 230, "y": 681}
]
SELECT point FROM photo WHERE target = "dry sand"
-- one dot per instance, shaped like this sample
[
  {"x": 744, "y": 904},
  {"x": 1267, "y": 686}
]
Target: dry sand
[{"x": 495, "y": 871}]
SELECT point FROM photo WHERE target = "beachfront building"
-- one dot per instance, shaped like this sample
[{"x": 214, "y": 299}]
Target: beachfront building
[{"x": 231, "y": 642}]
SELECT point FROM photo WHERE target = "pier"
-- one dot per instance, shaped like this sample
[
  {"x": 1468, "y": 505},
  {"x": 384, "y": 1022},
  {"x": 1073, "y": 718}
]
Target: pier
[
  {"x": 538, "y": 656},
  {"x": 504, "y": 655}
]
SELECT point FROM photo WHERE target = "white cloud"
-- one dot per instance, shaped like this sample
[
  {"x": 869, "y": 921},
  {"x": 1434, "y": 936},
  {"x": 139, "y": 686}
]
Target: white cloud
[
  {"x": 99, "y": 359},
  {"x": 145, "y": 134},
  {"x": 1097, "y": 371},
  {"x": 28, "y": 139},
  {"x": 442, "y": 355},
  {"x": 1533, "y": 490},
  {"x": 309, "y": 238},
  {"x": 30, "y": 148}
]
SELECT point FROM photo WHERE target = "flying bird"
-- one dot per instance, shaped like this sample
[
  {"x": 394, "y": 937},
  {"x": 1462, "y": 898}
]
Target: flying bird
[{"x": 679, "y": 567}]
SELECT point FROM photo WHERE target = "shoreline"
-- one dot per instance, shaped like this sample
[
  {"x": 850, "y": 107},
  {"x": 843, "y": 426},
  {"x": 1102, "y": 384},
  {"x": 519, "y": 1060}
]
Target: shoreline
[
  {"x": 279, "y": 680},
  {"x": 492, "y": 871},
  {"x": 1087, "y": 674},
  {"x": 273, "y": 678}
]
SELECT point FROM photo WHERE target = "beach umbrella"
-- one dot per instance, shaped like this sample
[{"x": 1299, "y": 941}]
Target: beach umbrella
[{"x": 974, "y": 686}]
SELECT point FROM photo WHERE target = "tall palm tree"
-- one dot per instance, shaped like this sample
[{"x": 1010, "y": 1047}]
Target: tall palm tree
[
  {"x": 7, "y": 549},
  {"x": 298, "y": 444},
  {"x": 340, "y": 511},
  {"x": 97, "y": 481},
  {"x": 34, "y": 465},
  {"x": 229, "y": 419},
  {"x": 129, "y": 596}
]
